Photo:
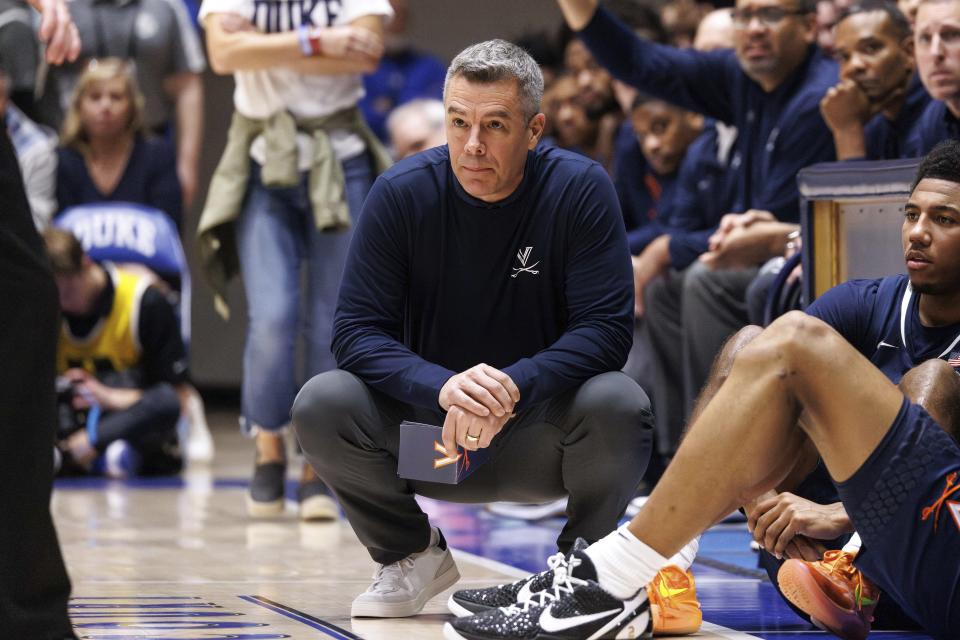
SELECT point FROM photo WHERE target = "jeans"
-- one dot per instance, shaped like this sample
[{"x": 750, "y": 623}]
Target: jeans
[{"x": 276, "y": 238}]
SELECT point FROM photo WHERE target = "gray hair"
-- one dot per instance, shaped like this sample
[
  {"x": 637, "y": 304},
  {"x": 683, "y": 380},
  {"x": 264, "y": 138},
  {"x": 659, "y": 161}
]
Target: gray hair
[
  {"x": 496, "y": 60},
  {"x": 430, "y": 109}
]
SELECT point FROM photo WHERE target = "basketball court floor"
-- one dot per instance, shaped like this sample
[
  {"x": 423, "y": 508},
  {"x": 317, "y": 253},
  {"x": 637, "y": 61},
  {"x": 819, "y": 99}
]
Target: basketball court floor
[{"x": 178, "y": 558}]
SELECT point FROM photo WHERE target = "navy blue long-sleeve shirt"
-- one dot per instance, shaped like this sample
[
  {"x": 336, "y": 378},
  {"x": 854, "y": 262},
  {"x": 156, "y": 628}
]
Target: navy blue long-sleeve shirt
[
  {"x": 936, "y": 124},
  {"x": 703, "y": 195},
  {"x": 538, "y": 285},
  {"x": 780, "y": 132},
  {"x": 643, "y": 193},
  {"x": 891, "y": 139}
]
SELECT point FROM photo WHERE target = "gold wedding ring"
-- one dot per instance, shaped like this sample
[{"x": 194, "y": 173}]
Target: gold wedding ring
[{"x": 473, "y": 438}]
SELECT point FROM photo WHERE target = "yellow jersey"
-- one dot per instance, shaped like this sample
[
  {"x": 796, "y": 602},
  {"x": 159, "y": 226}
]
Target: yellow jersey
[{"x": 114, "y": 343}]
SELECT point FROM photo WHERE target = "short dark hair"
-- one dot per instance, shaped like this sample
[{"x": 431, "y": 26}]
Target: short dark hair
[
  {"x": 807, "y": 6},
  {"x": 942, "y": 163},
  {"x": 899, "y": 22}
]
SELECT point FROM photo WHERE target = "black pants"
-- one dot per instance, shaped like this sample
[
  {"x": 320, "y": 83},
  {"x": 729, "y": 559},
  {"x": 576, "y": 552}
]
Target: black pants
[
  {"x": 33, "y": 582},
  {"x": 591, "y": 444}
]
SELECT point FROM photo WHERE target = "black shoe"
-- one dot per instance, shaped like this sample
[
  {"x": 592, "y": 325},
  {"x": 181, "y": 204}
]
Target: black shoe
[
  {"x": 315, "y": 501},
  {"x": 468, "y": 602},
  {"x": 573, "y": 608},
  {"x": 265, "y": 498}
]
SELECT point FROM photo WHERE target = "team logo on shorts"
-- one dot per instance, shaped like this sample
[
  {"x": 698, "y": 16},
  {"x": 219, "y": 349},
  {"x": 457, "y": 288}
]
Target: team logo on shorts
[{"x": 953, "y": 506}]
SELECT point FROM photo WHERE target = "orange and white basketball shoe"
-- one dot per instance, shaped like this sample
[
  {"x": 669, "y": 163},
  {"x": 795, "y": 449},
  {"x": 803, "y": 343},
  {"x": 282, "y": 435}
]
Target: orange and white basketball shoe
[
  {"x": 835, "y": 594},
  {"x": 673, "y": 602}
]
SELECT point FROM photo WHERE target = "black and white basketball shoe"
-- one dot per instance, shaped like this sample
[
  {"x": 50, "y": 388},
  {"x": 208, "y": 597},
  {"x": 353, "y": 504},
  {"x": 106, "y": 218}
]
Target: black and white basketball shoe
[
  {"x": 572, "y": 608},
  {"x": 468, "y": 602}
]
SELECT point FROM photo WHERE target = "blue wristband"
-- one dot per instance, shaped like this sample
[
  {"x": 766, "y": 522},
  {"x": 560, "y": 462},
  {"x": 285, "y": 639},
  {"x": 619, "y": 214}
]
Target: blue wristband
[{"x": 303, "y": 35}]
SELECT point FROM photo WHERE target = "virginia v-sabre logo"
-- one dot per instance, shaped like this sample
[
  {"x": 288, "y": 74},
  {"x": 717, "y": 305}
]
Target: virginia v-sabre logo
[{"x": 523, "y": 256}]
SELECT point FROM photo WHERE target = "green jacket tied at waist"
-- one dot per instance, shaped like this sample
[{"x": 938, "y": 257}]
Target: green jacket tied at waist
[{"x": 217, "y": 238}]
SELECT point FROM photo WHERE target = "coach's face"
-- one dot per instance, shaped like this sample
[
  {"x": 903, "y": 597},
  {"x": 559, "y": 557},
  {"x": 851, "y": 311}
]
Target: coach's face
[
  {"x": 937, "y": 44},
  {"x": 871, "y": 54},
  {"x": 931, "y": 237},
  {"x": 488, "y": 136},
  {"x": 771, "y": 38}
]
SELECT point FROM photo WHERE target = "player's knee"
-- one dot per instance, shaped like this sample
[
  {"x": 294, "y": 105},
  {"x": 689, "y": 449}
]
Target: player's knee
[
  {"x": 788, "y": 344},
  {"x": 931, "y": 374},
  {"x": 732, "y": 347},
  {"x": 935, "y": 386}
]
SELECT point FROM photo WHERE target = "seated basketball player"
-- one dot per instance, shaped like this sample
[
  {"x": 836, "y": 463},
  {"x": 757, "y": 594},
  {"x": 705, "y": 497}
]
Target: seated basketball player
[
  {"x": 798, "y": 384},
  {"x": 488, "y": 289},
  {"x": 120, "y": 356}
]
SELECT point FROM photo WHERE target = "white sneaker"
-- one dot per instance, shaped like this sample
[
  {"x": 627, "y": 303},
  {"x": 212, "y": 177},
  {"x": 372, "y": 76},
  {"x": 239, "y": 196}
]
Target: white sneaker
[
  {"x": 195, "y": 437},
  {"x": 402, "y": 589}
]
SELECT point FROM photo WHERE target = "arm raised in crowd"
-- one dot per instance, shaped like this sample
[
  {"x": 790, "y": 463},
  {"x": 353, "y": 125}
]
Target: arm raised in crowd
[
  {"x": 234, "y": 44},
  {"x": 694, "y": 80}
]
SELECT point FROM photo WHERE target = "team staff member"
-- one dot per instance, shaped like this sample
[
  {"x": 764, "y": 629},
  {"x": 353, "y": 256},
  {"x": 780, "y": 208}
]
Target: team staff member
[
  {"x": 34, "y": 587},
  {"x": 937, "y": 49},
  {"x": 487, "y": 278},
  {"x": 874, "y": 110}
]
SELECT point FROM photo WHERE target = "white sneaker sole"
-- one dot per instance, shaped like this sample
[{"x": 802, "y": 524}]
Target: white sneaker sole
[
  {"x": 257, "y": 509},
  {"x": 412, "y": 607},
  {"x": 317, "y": 508},
  {"x": 457, "y": 609}
]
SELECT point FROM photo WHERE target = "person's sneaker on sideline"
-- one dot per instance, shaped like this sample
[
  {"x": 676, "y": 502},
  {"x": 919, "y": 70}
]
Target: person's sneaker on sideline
[
  {"x": 265, "y": 495},
  {"x": 673, "y": 602},
  {"x": 315, "y": 502},
  {"x": 572, "y": 607},
  {"x": 833, "y": 592},
  {"x": 402, "y": 588},
  {"x": 467, "y": 602}
]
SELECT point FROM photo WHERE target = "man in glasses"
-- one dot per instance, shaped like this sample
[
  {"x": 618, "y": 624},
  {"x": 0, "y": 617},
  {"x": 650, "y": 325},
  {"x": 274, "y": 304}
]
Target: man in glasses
[{"x": 770, "y": 87}]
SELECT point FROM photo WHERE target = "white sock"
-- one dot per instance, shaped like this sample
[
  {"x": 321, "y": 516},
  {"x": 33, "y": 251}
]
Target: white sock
[
  {"x": 624, "y": 563},
  {"x": 685, "y": 557},
  {"x": 853, "y": 546}
]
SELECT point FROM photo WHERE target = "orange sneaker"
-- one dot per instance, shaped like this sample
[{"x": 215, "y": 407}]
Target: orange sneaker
[
  {"x": 673, "y": 602},
  {"x": 836, "y": 595}
]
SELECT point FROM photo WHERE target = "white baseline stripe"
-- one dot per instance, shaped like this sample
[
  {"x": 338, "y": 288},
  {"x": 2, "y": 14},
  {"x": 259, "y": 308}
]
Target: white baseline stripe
[{"x": 708, "y": 630}]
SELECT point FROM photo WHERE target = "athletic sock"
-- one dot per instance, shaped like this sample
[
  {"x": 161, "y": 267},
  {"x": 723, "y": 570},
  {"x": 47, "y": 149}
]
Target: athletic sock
[
  {"x": 854, "y": 544},
  {"x": 685, "y": 557},
  {"x": 624, "y": 563}
]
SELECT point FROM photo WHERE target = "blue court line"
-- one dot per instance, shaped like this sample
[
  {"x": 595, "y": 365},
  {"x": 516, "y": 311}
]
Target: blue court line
[{"x": 316, "y": 623}]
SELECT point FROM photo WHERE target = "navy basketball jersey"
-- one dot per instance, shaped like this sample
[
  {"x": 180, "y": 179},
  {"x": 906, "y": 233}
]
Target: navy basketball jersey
[{"x": 881, "y": 319}]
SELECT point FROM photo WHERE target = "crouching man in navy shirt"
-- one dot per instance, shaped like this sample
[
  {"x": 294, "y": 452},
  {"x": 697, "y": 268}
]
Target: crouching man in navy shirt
[{"x": 489, "y": 289}]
